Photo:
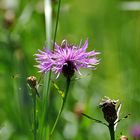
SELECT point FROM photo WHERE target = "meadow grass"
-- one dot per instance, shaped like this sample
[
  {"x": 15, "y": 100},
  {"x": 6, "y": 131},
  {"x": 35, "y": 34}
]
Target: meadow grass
[{"x": 112, "y": 31}]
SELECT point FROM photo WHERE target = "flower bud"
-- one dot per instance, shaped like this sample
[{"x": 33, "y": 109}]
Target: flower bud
[
  {"x": 9, "y": 18},
  {"x": 78, "y": 110},
  {"x": 123, "y": 138},
  {"x": 109, "y": 109},
  {"x": 32, "y": 81}
]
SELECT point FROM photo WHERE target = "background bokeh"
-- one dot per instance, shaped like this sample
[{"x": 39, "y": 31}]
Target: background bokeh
[{"x": 112, "y": 30}]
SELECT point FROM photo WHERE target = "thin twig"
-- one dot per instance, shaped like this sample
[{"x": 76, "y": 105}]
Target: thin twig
[{"x": 96, "y": 120}]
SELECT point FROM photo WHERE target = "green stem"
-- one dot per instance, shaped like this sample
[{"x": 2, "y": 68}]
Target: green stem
[
  {"x": 35, "y": 122},
  {"x": 46, "y": 103},
  {"x": 44, "y": 120},
  {"x": 62, "y": 106},
  {"x": 112, "y": 132},
  {"x": 57, "y": 19}
]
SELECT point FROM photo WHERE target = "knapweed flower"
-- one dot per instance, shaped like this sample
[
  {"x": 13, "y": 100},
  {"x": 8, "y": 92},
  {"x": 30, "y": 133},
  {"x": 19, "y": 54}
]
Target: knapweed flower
[{"x": 66, "y": 59}]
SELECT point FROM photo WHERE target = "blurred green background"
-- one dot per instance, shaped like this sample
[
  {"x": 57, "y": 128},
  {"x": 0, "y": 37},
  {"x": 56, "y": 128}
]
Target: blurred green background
[{"x": 112, "y": 30}]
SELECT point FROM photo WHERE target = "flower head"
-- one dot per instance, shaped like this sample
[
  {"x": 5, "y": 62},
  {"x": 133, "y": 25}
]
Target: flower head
[
  {"x": 66, "y": 59},
  {"x": 109, "y": 109}
]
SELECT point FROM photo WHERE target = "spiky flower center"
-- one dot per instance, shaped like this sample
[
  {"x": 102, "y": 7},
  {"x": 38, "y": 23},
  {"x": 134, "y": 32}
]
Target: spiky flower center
[{"x": 68, "y": 69}]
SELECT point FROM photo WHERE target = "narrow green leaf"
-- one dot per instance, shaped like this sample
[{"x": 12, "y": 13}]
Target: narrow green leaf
[{"x": 60, "y": 92}]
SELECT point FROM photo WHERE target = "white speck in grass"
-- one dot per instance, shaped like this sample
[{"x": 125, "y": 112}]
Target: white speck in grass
[
  {"x": 70, "y": 131},
  {"x": 9, "y": 4},
  {"x": 6, "y": 130},
  {"x": 98, "y": 130},
  {"x": 71, "y": 126},
  {"x": 48, "y": 21},
  {"x": 26, "y": 14},
  {"x": 130, "y": 6}
]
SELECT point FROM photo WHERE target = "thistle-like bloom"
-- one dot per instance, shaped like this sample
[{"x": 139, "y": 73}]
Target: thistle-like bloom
[{"x": 66, "y": 59}]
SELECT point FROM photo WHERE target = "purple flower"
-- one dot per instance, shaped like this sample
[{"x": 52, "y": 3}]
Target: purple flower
[
  {"x": 135, "y": 131},
  {"x": 66, "y": 59}
]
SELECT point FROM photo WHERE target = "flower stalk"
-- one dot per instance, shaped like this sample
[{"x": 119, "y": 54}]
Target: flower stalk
[
  {"x": 57, "y": 19},
  {"x": 111, "y": 131},
  {"x": 61, "y": 108},
  {"x": 32, "y": 83},
  {"x": 35, "y": 117},
  {"x": 110, "y": 126}
]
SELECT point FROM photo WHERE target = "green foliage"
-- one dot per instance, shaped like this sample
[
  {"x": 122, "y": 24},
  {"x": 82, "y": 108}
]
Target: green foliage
[{"x": 110, "y": 30}]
